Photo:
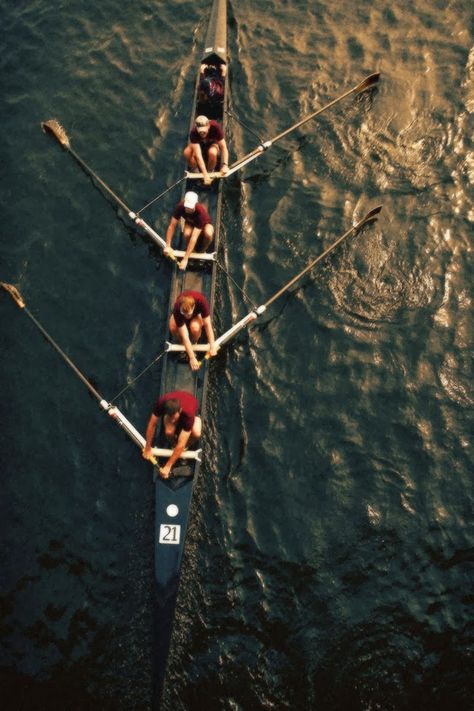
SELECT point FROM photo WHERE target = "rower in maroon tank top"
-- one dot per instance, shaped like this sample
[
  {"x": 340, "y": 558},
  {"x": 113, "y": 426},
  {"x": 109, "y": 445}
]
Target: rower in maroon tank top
[
  {"x": 198, "y": 230},
  {"x": 190, "y": 314},
  {"x": 181, "y": 425},
  {"x": 206, "y": 145}
]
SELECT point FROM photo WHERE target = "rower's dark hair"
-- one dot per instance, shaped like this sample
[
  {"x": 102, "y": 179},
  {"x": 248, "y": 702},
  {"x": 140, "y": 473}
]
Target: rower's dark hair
[{"x": 172, "y": 406}]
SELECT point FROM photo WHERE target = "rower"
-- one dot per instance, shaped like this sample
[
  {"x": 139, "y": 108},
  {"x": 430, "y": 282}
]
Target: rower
[
  {"x": 190, "y": 314},
  {"x": 211, "y": 83},
  {"x": 197, "y": 226},
  {"x": 181, "y": 426},
  {"x": 206, "y": 145}
]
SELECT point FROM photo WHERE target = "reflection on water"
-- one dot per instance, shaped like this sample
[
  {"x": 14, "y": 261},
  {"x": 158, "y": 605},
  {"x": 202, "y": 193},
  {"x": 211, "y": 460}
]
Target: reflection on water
[{"x": 328, "y": 557}]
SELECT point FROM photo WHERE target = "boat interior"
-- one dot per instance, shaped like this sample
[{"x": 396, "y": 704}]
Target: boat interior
[{"x": 199, "y": 275}]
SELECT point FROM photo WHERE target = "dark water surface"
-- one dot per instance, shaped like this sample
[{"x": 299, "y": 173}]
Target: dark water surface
[{"x": 329, "y": 558}]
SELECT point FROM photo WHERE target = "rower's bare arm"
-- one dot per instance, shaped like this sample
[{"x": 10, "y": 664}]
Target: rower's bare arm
[
  {"x": 150, "y": 433},
  {"x": 181, "y": 445},
  {"x": 201, "y": 164},
  {"x": 177, "y": 452},
  {"x": 225, "y": 156},
  {"x": 192, "y": 241},
  {"x": 184, "y": 336},
  {"x": 207, "y": 323},
  {"x": 190, "y": 247},
  {"x": 170, "y": 231},
  {"x": 199, "y": 157}
]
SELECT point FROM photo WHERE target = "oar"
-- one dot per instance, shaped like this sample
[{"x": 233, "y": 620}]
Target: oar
[
  {"x": 369, "y": 81},
  {"x": 370, "y": 217},
  {"x": 111, "y": 410},
  {"x": 365, "y": 84},
  {"x": 17, "y": 297},
  {"x": 55, "y": 129}
]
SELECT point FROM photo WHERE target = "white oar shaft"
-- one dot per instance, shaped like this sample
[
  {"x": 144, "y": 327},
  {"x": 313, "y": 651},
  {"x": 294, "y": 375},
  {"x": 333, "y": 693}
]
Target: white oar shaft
[
  {"x": 204, "y": 347},
  {"x": 193, "y": 454},
  {"x": 136, "y": 437},
  {"x": 207, "y": 256},
  {"x": 154, "y": 235},
  {"x": 200, "y": 176},
  {"x": 239, "y": 164},
  {"x": 178, "y": 347},
  {"x": 239, "y": 326},
  {"x": 125, "y": 424},
  {"x": 204, "y": 256}
]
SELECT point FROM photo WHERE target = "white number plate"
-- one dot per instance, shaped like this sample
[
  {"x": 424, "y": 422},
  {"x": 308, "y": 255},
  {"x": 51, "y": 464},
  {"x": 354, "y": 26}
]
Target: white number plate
[{"x": 170, "y": 533}]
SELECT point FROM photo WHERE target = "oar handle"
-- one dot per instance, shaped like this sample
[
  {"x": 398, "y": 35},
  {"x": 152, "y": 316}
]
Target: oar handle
[
  {"x": 169, "y": 254},
  {"x": 152, "y": 459},
  {"x": 208, "y": 356}
]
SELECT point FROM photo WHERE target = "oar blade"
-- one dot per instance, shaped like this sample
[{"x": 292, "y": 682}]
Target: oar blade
[
  {"x": 369, "y": 218},
  {"x": 373, "y": 212},
  {"x": 55, "y": 129},
  {"x": 14, "y": 293},
  {"x": 369, "y": 81}
]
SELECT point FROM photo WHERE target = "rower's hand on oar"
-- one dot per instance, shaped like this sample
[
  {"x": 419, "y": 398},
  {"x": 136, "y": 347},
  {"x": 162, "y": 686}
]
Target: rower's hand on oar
[
  {"x": 212, "y": 352},
  {"x": 168, "y": 252},
  {"x": 194, "y": 363},
  {"x": 148, "y": 455},
  {"x": 165, "y": 472},
  {"x": 224, "y": 169},
  {"x": 207, "y": 180},
  {"x": 183, "y": 264}
]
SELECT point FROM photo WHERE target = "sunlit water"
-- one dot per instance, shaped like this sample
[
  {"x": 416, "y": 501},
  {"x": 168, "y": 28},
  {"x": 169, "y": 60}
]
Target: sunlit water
[{"x": 329, "y": 557}]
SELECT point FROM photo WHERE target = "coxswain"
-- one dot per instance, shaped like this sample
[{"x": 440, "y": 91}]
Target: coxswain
[
  {"x": 181, "y": 426},
  {"x": 211, "y": 83},
  {"x": 197, "y": 223},
  {"x": 206, "y": 144},
  {"x": 190, "y": 314}
]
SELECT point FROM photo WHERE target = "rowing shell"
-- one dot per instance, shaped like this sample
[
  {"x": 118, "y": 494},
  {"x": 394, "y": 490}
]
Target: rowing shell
[{"x": 173, "y": 496}]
